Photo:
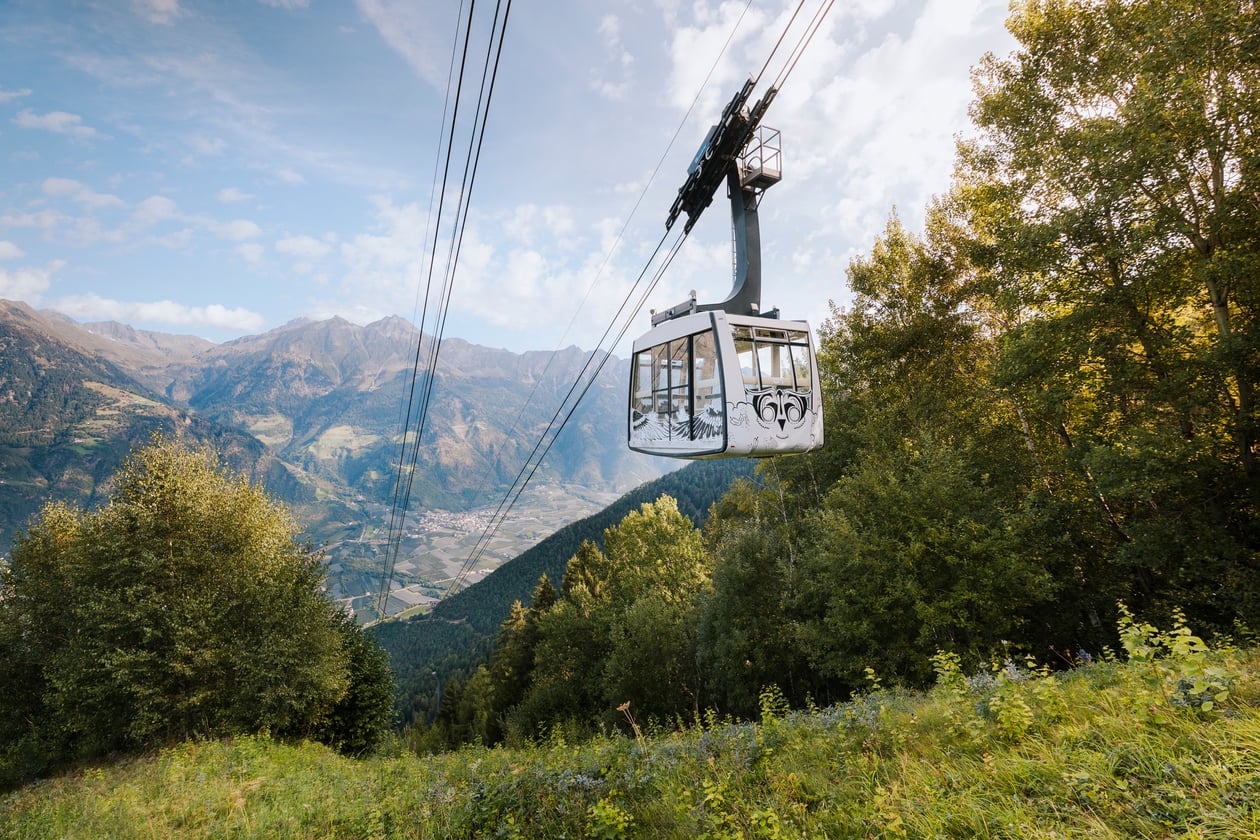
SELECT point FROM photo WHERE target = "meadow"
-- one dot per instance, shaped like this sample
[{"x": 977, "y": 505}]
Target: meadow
[{"x": 1162, "y": 740}]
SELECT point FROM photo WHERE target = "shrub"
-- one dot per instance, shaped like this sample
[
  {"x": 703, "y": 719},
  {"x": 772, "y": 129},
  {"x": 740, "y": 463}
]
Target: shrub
[{"x": 185, "y": 606}]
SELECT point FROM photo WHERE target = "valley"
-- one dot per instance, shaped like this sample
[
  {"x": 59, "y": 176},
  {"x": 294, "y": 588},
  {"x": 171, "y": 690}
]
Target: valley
[
  {"x": 313, "y": 410},
  {"x": 436, "y": 545}
]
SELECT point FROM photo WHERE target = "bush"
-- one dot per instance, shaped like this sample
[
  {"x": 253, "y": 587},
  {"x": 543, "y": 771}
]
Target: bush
[{"x": 185, "y": 606}]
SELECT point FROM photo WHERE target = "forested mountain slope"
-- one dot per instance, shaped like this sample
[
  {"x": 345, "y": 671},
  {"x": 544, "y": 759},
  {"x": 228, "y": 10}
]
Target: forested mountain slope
[
  {"x": 68, "y": 417},
  {"x": 458, "y": 634},
  {"x": 315, "y": 409},
  {"x": 1041, "y": 416}
]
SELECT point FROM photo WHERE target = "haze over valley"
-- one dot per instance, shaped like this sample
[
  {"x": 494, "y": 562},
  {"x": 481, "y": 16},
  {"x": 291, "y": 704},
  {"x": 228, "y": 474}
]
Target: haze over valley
[{"x": 315, "y": 410}]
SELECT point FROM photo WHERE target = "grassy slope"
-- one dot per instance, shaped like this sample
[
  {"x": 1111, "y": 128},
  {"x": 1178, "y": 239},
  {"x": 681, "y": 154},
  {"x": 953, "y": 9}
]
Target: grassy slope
[{"x": 1106, "y": 750}]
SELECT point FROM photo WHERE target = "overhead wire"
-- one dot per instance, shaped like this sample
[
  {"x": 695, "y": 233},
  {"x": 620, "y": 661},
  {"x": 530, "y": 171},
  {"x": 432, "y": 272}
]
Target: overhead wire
[
  {"x": 551, "y": 433},
  {"x": 810, "y": 31},
  {"x": 545, "y": 441},
  {"x": 407, "y": 464},
  {"x": 590, "y": 381},
  {"x": 779, "y": 42},
  {"x": 397, "y": 512},
  {"x": 456, "y": 245},
  {"x": 525, "y": 473},
  {"x": 472, "y": 159},
  {"x": 599, "y": 272}
]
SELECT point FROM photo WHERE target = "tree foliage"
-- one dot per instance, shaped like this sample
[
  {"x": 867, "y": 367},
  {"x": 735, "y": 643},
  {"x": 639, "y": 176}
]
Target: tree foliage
[
  {"x": 1111, "y": 202},
  {"x": 621, "y": 629},
  {"x": 1041, "y": 406},
  {"x": 184, "y": 607},
  {"x": 1044, "y": 404},
  {"x": 448, "y": 645}
]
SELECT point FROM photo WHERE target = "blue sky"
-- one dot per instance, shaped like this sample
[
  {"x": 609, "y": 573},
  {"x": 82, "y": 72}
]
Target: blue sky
[{"x": 222, "y": 168}]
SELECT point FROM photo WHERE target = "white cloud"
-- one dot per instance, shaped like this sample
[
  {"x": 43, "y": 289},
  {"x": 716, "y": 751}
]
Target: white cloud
[
  {"x": 154, "y": 209},
  {"x": 208, "y": 146},
  {"x": 869, "y": 118},
  {"x": 78, "y": 192},
  {"x": 236, "y": 230},
  {"x": 176, "y": 239},
  {"x": 884, "y": 122},
  {"x": 58, "y": 122},
  {"x": 45, "y": 220},
  {"x": 9, "y": 95},
  {"x": 28, "y": 284},
  {"x": 305, "y": 247},
  {"x": 9, "y": 251},
  {"x": 60, "y": 186},
  {"x": 610, "y": 28},
  {"x": 96, "y": 308},
  {"x": 286, "y": 4},
  {"x": 386, "y": 265},
  {"x": 418, "y": 32},
  {"x": 157, "y": 11},
  {"x": 231, "y": 194},
  {"x": 530, "y": 224},
  {"x": 289, "y": 176},
  {"x": 306, "y": 251},
  {"x": 695, "y": 49},
  {"x": 519, "y": 279},
  {"x": 621, "y": 59},
  {"x": 251, "y": 252},
  {"x": 614, "y": 91}
]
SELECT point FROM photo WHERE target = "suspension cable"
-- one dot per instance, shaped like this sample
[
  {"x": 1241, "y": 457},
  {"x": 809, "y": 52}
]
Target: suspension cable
[
  {"x": 532, "y": 464},
  {"x": 626, "y": 224},
  {"x": 810, "y": 31},
  {"x": 779, "y": 42},
  {"x": 548, "y": 437},
  {"x": 472, "y": 159},
  {"x": 402, "y": 478},
  {"x": 526, "y": 471}
]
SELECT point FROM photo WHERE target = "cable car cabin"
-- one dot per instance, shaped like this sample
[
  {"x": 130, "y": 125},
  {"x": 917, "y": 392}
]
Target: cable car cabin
[{"x": 714, "y": 385}]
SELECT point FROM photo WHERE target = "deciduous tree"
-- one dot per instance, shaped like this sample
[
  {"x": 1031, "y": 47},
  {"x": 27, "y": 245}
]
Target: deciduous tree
[
  {"x": 1112, "y": 194},
  {"x": 186, "y": 606}
]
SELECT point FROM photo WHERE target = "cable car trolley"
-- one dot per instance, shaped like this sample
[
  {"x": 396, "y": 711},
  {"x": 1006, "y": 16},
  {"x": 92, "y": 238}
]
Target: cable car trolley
[{"x": 724, "y": 379}]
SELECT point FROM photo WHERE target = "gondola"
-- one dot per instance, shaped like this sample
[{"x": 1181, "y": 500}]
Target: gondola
[{"x": 724, "y": 379}]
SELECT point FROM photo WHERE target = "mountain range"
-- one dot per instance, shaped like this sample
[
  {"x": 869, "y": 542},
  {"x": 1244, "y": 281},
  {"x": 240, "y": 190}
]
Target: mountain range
[{"x": 315, "y": 411}]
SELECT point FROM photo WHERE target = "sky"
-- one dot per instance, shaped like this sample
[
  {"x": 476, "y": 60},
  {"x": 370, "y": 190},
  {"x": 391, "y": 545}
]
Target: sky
[{"x": 222, "y": 168}]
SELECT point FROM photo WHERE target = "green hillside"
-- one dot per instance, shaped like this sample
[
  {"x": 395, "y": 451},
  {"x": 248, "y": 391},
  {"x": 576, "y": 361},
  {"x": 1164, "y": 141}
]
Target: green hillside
[
  {"x": 1043, "y": 432},
  {"x": 1107, "y": 750},
  {"x": 313, "y": 409},
  {"x": 68, "y": 417},
  {"x": 458, "y": 634}
]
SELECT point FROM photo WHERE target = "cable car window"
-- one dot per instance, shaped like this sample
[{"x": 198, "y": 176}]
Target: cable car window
[
  {"x": 680, "y": 393},
  {"x": 660, "y": 381},
  {"x": 707, "y": 389},
  {"x": 746, "y": 356},
  {"x": 801, "y": 363},
  {"x": 677, "y": 393},
  {"x": 641, "y": 387},
  {"x": 773, "y": 358},
  {"x": 775, "y": 365}
]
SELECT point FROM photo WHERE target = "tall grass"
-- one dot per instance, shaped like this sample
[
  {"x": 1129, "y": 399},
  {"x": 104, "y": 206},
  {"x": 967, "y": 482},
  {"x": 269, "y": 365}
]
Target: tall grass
[{"x": 1166, "y": 744}]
